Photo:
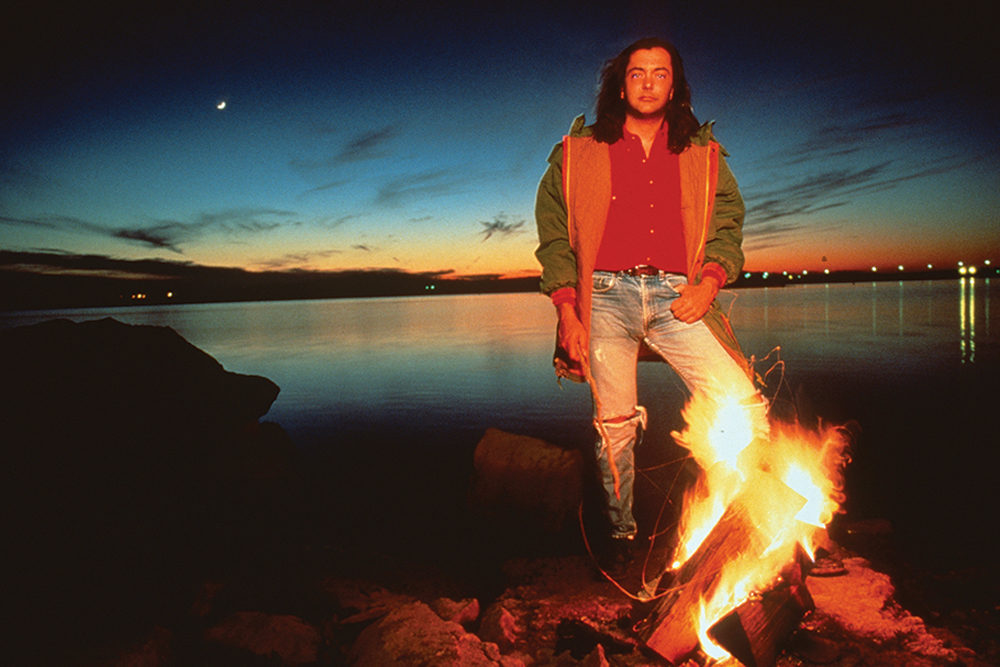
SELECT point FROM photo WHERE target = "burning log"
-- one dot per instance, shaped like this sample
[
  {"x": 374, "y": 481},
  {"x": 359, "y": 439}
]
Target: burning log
[
  {"x": 755, "y": 632},
  {"x": 752, "y": 522}
]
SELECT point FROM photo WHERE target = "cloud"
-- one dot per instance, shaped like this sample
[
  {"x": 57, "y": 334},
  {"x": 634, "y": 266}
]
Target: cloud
[
  {"x": 332, "y": 185},
  {"x": 294, "y": 261},
  {"x": 834, "y": 188},
  {"x": 774, "y": 234},
  {"x": 333, "y": 223},
  {"x": 840, "y": 139},
  {"x": 23, "y": 178},
  {"x": 502, "y": 226},
  {"x": 27, "y": 222},
  {"x": 242, "y": 219},
  {"x": 839, "y": 161},
  {"x": 168, "y": 234},
  {"x": 172, "y": 234},
  {"x": 406, "y": 187},
  {"x": 369, "y": 145},
  {"x": 57, "y": 222},
  {"x": 812, "y": 193},
  {"x": 62, "y": 262},
  {"x": 147, "y": 237}
]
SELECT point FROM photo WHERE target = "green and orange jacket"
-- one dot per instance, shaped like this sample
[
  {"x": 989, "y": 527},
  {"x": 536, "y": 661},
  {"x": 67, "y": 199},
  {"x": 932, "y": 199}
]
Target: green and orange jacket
[{"x": 571, "y": 209}]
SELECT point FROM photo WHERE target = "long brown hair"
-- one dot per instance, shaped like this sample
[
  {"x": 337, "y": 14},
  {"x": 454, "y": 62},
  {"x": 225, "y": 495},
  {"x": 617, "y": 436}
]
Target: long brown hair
[{"x": 611, "y": 108}]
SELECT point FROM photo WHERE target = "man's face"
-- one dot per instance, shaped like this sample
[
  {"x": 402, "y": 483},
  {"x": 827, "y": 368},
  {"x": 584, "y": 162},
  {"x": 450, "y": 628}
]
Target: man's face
[{"x": 649, "y": 82}]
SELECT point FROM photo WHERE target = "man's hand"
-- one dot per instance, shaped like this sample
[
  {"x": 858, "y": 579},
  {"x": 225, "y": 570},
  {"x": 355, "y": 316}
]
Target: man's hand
[
  {"x": 695, "y": 300},
  {"x": 572, "y": 335}
]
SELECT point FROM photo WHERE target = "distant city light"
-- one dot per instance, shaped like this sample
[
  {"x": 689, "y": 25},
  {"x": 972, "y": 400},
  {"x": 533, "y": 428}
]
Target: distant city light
[
  {"x": 765, "y": 274},
  {"x": 874, "y": 269},
  {"x": 930, "y": 266},
  {"x": 826, "y": 271},
  {"x": 900, "y": 267}
]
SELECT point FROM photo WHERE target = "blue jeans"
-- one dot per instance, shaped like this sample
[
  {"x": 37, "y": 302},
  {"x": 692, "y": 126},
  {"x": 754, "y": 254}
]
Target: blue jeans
[{"x": 629, "y": 310}]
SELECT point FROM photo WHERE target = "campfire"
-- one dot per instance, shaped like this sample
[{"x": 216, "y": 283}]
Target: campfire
[{"x": 766, "y": 491}]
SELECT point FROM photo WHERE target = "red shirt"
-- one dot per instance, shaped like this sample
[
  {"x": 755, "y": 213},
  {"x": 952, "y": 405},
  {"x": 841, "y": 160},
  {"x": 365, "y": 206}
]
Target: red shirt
[{"x": 644, "y": 220}]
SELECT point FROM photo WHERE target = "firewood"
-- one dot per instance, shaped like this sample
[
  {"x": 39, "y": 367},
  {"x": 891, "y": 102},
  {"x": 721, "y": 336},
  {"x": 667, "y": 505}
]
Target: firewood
[
  {"x": 755, "y": 632},
  {"x": 751, "y": 522}
]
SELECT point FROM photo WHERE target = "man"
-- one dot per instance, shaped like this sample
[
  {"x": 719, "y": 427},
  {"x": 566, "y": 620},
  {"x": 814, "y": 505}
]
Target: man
[{"x": 640, "y": 225}]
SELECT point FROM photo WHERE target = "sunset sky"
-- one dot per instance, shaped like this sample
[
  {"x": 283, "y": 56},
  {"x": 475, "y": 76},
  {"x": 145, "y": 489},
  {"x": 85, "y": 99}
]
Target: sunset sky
[{"x": 294, "y": 135}]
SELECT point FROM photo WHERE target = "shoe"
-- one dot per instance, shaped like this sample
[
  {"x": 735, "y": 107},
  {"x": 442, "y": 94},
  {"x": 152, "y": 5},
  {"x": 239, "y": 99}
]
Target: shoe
[{"x": 617, "y": 556}]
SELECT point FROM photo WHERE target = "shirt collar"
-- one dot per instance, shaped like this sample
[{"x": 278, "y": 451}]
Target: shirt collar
[{"x": 661, "y": 134}]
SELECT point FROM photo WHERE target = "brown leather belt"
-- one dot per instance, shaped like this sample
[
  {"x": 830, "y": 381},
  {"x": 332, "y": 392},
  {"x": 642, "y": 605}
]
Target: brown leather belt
[{"x": 642, "y": 270}]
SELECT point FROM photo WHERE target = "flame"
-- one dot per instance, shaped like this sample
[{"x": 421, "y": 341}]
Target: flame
[
  {"x": 732, "y": 441},
  {"x": 711, "y": 649},
  {"x": 717, "y": 434}
]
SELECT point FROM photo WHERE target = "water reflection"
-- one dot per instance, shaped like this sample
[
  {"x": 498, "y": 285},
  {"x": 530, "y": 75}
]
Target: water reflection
[
  {"x": 967, "y": 319},
  {"x": 486, "y": 359}
]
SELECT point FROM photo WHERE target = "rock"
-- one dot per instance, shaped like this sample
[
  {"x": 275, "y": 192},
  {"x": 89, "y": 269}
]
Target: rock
[
  {"x": 525, "y": 479},
  {"x": 358, "y": 601},
  {"x": 202, "y": 606},
  {"x": 414, "y": 635},
  {"x": 59, "y": 371},
  {"x": 134, "y": 405},
  {"x": 596, "y": 658},
  {"x": 551, "y": 593},
  {"x": 289, "y": 637},
  {"x": 464, "y": 612},
  {"x": 153, "y": 651},
  {"x": 861, "y": 603},
  {"x": 127, "y": 451},
  {"x": 500, "y": 627}
]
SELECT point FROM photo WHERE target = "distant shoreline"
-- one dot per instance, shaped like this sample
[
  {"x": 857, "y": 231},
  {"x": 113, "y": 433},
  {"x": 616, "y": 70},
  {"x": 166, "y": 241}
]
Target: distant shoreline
[{"x": 26, "y": 291}]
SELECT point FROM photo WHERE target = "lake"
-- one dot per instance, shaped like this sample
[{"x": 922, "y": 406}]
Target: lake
[{"x": 412, "y": 383}]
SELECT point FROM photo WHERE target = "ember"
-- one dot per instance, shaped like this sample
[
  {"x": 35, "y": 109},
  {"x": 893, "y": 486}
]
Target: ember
[{"x": 765, "y": 488}]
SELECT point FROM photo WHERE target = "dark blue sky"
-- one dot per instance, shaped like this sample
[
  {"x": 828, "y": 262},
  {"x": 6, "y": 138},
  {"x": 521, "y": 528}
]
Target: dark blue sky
[{"x": 410, "y": 137}]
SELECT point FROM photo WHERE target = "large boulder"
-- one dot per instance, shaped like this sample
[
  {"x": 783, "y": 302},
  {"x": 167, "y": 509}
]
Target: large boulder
[
  {"x": 113, "y": 384},
  {"x": 524, "y": 479},
  {"x": 129, "y": 458}
]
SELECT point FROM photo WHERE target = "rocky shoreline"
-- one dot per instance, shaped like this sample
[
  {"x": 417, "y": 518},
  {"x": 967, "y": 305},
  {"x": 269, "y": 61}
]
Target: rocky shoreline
[{"x": 155, "y": 520}]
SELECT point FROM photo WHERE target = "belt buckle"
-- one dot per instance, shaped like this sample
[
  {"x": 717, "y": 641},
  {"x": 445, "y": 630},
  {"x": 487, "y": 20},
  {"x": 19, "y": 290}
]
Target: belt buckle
[{"x": 643, "y": 270}]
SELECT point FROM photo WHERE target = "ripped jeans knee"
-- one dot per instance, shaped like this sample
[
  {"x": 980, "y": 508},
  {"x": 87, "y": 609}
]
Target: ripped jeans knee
[
  {"x": 620, "y": 431},
  {"x": 622, "y": 436}
]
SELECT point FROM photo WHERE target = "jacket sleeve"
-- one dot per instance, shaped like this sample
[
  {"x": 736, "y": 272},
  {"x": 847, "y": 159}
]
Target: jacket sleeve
[
  {"x": 554, "y": 252},
  {"x": 724, "y": 247}
]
